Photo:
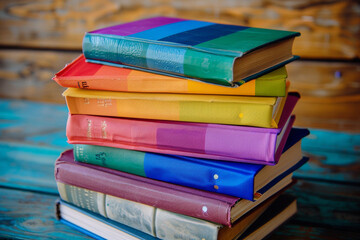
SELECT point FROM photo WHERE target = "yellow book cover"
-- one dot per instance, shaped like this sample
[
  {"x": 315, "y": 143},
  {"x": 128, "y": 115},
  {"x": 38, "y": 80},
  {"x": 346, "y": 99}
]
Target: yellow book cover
[{"x": 220, "y": 109}]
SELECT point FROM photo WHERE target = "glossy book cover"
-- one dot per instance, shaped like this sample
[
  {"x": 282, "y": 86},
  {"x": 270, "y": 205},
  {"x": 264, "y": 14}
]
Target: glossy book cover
[
  {"x": 86, "y": 75},
  {"x": 189, "y": 48}
]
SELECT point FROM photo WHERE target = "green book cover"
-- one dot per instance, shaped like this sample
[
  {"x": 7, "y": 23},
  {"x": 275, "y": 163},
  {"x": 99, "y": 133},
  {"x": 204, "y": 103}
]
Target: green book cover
[{"x": 217, "y": 53}]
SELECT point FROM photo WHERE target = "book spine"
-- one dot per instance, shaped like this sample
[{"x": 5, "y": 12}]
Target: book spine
[
  {"x": 132, "y": 214},
  {"x": 217, "y": 142},
  {"x": 175, "y": 199},
  {"x": 175, "y": 226},
  {"x": 173, "y": 59},
  {"x": 90, "y": 200},
  {"x": 226, "y": 178}
]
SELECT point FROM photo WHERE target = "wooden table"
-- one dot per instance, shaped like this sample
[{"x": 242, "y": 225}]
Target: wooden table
[{"x": 32, "y": 135}]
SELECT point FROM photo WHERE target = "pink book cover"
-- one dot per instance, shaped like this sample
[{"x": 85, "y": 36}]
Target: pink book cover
[
  {"x": 211, "y": 141},
  {"x": 176, "y": 198}
]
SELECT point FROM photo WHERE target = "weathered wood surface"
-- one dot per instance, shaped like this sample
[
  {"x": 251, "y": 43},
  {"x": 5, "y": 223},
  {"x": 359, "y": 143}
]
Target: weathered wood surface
[
  {"x": 294, "y": 231},
  {"x": 28, "y": 167},
  {"x": 32, "y": 136},
  {"x": 330, "y": 166},
  {"x": 327, "y": 205},
  {"x": 33, "y": 123},
  {"x": 30, "y": 215},
  {"x": 332, "y": 141},
  {"x": 27, "y": 74},
  {"x": 330, "y": 93},
  {"x": 330, "y": 29},
  {"x": 324, "y": 78}
]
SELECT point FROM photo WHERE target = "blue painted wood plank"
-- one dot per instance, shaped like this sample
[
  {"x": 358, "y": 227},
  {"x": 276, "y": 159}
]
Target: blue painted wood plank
[
  {"x": 327, "y": 205},
  {"x": 29, "y": 215},
  {"x": 332, "y": 141},
  {"x": 28, "y": 167},
  {"x": 33, "y": 122},
  {"x": 331, "y": 166}
]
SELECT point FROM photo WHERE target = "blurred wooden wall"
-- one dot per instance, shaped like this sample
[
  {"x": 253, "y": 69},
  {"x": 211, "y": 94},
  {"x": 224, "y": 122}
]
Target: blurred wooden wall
[{"x": 37, "y": 38}]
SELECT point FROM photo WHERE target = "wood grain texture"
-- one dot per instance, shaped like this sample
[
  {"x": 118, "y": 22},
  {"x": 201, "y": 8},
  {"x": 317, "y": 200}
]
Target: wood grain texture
[
  {"x": 332, "y": 141},
  {"x": 31, "y": 134},
  {"x": 335, "y": 113},
  {"x": 323, "y": 79},
  {"x": 28, "y": 167},
  {"x": 330, "y": 93},
  {"x": 334, "y": 157},
  {"x": 27, "y": 74},
  {"x": 29, "y": 215},
  {"x": 330, "y": 29},
  {"x": 293, "y": 231},
  {"x": 327, "y": 205},
  {"x": 330, "y": 166},
  {"x": 33, "y": 123}
]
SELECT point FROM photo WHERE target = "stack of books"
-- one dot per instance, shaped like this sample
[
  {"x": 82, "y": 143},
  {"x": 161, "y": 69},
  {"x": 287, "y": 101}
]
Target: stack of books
[{"x": 181, "y": 129}]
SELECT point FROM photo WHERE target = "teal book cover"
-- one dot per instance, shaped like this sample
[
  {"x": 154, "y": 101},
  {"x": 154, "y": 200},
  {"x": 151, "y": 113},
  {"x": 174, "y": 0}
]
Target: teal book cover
[{"x": 218, "y": 53}]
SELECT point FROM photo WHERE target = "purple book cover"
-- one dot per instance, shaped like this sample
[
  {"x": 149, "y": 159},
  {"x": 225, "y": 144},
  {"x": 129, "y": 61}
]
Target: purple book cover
[{"x": 210, "y": 141}]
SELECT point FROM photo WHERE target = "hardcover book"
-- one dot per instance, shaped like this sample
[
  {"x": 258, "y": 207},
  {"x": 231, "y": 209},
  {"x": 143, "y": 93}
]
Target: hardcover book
[
  {"x": 99, "y": 227},
  {"x": 210, "y": 141},
  {"x": 241, "y": 180},
  {"x": 220, "y": 109},
  {"x": 217, "y": 53},
  {"x": 210, "y": 206},
  {"x": 82, "y": 74},
  {"x": 153, "y": 221}
]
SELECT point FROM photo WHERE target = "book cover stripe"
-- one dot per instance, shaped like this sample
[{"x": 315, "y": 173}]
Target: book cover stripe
[
  {"x": 137, "y": 26},
  {"x": 170, "y": 29},
  {"x": 203, "y": 34}
]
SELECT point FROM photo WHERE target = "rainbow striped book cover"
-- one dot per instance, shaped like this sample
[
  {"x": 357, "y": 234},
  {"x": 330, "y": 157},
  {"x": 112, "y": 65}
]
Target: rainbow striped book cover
[
  {"x": 82, "y": 74},
  {"x": 217, "y": 53}
]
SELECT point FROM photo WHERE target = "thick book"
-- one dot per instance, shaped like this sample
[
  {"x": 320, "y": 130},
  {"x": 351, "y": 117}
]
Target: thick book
[
  {"x": 99, "y": 227},
  {"x": 241, "y": 180},
  {"x": 219, "y": 109},
  {"x": 153, "y": 221},
  {"x": 211, "y": 141},
  {"x": 82, "y": 74},
  {"x": 218, "y": 53},
  {"x": 210, "y": 206}
]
